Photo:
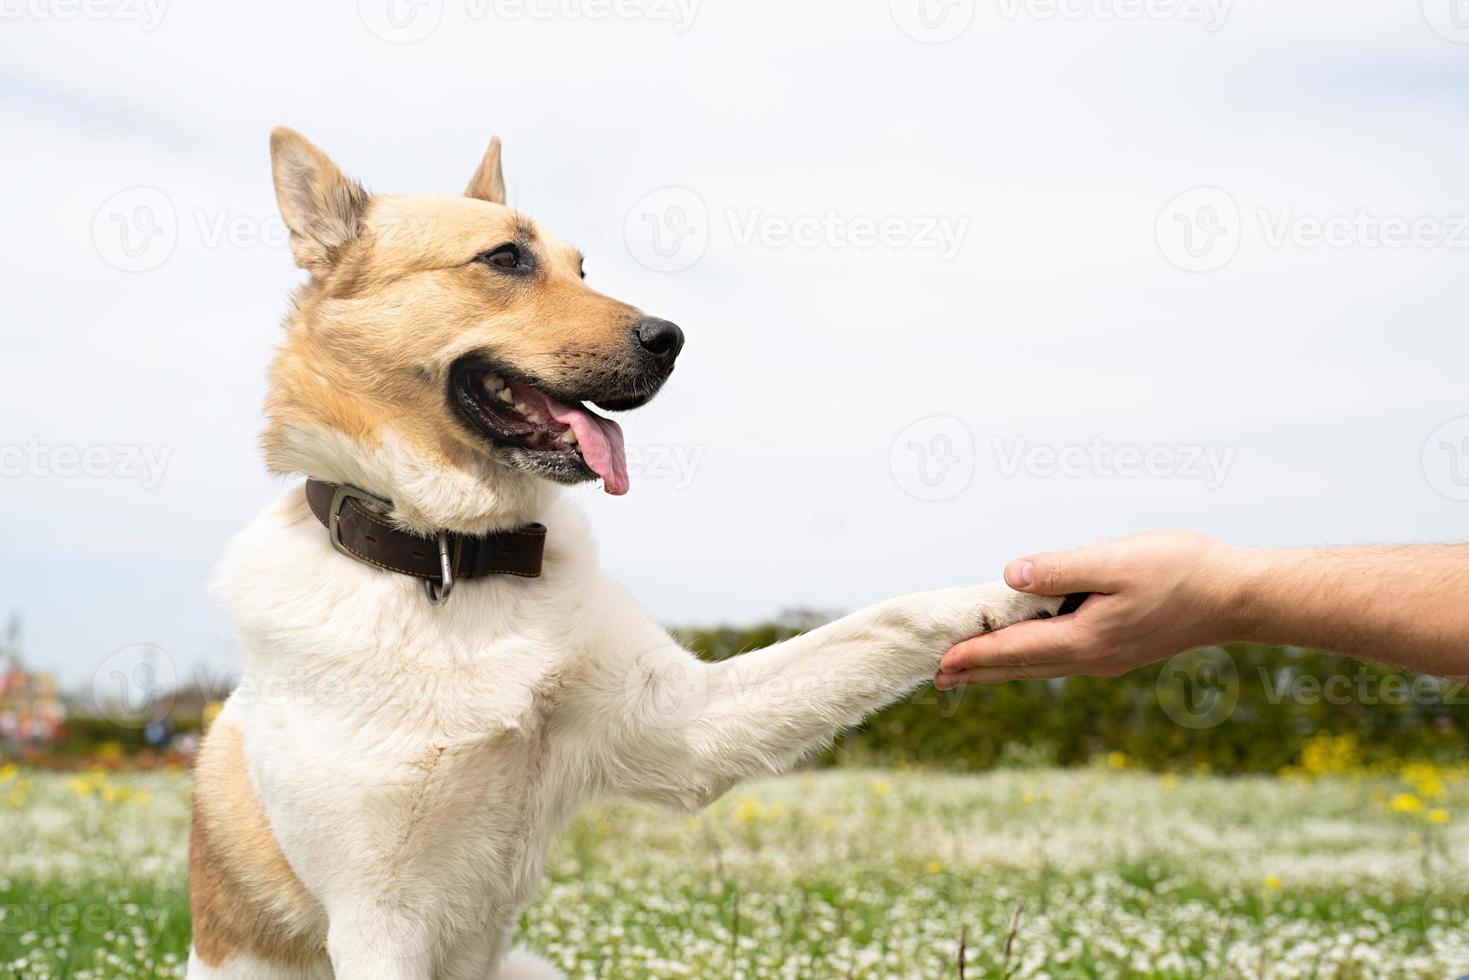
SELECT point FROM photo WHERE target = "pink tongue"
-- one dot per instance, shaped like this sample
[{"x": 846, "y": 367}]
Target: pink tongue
[{"x": 600, "y": 439}]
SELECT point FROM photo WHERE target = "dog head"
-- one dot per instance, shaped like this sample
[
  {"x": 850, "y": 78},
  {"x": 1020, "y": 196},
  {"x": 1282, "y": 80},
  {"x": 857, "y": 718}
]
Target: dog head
[{"x": 445, "y": 349}]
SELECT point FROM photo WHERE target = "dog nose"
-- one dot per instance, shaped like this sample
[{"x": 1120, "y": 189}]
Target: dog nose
[{"x": 660, "y": 338}]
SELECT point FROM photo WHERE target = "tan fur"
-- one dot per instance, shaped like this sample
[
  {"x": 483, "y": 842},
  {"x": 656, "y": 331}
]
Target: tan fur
[
  {"x": 371, "y": 337},
  {"x": 243, "y": 896},
  {"x": 488, "y": 183}
]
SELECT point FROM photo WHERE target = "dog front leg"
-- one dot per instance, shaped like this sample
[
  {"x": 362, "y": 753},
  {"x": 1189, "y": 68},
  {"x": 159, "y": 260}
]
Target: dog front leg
[{"x": 687, "y": 730}]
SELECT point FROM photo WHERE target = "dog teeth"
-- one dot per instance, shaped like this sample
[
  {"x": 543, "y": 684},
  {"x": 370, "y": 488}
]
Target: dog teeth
[
  {"x": 493, "y": 381},
  {"x": 505, "y": 395},
  {"x": 534, "y": 418},
  {"x": 569, "y": 437}
]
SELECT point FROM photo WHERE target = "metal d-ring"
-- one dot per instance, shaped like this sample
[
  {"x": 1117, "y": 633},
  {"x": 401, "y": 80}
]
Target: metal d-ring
[{"x": 439, "y": 594}]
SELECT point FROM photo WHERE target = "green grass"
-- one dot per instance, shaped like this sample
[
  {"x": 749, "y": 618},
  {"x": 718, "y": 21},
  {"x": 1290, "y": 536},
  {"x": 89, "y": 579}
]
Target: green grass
[{"x": 855, "y": 874}]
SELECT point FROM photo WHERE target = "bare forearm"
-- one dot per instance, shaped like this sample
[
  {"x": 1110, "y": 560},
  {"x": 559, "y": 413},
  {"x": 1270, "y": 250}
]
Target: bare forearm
[
  {"x": 1161, "y": 592},
  {"x": 1403, "y": 605}
]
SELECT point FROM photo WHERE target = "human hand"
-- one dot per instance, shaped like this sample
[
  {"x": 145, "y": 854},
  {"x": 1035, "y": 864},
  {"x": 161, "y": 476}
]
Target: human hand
[{"x": 1153, "y": 595}]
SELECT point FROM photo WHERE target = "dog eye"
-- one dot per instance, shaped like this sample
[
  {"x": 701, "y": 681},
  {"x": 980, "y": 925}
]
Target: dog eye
[{"x": 503, "y": 257}]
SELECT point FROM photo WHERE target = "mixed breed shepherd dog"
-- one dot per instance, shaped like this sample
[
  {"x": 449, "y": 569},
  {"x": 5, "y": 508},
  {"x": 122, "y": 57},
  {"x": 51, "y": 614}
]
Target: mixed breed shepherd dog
[{"x": 437, "y": 674}]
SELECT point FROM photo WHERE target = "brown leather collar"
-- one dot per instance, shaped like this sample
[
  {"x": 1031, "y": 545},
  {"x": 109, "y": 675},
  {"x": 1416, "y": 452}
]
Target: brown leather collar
[{"x": 358, "y": 524}]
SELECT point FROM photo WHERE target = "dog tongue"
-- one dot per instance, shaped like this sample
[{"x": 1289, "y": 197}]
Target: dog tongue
[{"x": 600, "y": 439}]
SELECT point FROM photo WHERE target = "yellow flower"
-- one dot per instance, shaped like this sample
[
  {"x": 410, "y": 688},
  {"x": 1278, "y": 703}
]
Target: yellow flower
[
  {"x": 881, "y": 788},
  {"x": 748, "y": 811},
  {"x": 1028, "y": 798},
  {"x": 8, "y": 771},
  {"x": 1117, "y": 760},
  {"x": 933, "y": 867},
  {"x": 1406, "y": 803},
  {"x": 1168, "y": 781},
  {"x": 1438, "y": 816},
  {"x": 1272, "y": 883}
]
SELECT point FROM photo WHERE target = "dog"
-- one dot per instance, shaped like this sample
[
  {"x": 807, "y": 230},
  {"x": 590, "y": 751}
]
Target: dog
[{"x": 437, "y": 675}]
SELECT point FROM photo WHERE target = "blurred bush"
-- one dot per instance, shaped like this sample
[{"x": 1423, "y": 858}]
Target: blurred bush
[{"x": 1235, "y": 709}]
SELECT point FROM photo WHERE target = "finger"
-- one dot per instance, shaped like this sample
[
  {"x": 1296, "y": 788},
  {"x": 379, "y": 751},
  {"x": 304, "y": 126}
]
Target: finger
[
  {"x": 1036, "y": 641},
  {"x": 1002, "y": 675},
  {"x": 1062, "y": 572}
]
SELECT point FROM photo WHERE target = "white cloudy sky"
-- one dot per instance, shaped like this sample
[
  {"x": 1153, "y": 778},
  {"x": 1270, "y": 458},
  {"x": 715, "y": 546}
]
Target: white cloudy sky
[{"x": 1318, "y": 377}]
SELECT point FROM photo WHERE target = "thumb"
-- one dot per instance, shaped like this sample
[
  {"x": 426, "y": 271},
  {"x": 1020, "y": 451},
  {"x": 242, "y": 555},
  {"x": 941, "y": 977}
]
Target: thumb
[{"x": 1060, "y": 573}]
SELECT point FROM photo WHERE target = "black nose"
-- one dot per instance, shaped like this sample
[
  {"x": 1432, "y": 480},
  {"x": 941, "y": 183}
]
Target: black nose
[{"x": 660, "y": 338}]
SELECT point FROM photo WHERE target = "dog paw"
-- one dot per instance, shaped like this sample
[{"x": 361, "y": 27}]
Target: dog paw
[{"x": 997, "y": 606}]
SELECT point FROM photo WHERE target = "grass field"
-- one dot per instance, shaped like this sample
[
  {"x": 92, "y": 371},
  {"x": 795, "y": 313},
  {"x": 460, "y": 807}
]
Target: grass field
[{"x": 1098, "y": 872}]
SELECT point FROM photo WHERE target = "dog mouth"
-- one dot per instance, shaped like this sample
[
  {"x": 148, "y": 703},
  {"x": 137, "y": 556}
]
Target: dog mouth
[{"x": 561, "y": 440}]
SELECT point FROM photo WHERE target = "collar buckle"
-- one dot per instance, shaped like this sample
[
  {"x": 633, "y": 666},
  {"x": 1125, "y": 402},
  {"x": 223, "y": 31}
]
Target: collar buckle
[{"x": 345, "y": 492}]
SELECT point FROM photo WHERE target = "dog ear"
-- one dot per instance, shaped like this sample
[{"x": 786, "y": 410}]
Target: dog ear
[
  {"x": 488, "y": 182},
  {"x": 322, "y": 207}
]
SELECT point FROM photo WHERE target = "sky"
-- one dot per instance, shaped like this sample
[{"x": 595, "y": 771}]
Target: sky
[{"x": 961, "y": 279}]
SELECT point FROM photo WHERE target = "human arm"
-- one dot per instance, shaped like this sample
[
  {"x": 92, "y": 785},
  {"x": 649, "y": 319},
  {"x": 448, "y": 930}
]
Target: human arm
[{"x": 1162, "y": 592}]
